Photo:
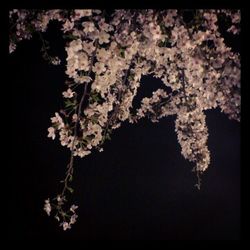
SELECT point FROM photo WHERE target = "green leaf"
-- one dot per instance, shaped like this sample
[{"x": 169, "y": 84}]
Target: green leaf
[
  {"x": 70, "y": 178},
  {"x": 71, "y": 190},
  {"x": 108, "y": 137},
  {"x": 95, "y": 97},
  {"x": 122, "y": 53},
  {"x": 70, "y": 103}
]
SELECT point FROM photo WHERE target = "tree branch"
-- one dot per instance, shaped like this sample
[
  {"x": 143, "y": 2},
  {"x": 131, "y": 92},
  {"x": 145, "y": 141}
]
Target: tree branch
[{"x": 71, "y": 163}]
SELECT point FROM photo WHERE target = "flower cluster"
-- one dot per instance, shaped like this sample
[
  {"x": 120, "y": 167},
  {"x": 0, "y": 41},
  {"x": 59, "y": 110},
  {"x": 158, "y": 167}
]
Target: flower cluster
[
  {"x": 68, "y": 218},
  {"x": 107, "y": 54},
  {"x": 192, "y": 135}
]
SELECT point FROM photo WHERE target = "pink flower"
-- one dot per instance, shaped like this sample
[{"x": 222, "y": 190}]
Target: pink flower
[
  {"x": 99, "y": 68},
  {"x": 68, "y": 94},
  {"x": 47, "y": 207},
  {"x": 65, "y": 225},
  {"x": 67, "y": 26},
  {"x": 51, "y": 131},
  {"x": 103, "y": 37},
  {"x": 81, "y": 13},
  {"x": 73, "y": 208},
  {"x": 88, "y": 27},
  {"x": 73, "y": 219},
  {"x": 57, "y": 120}
]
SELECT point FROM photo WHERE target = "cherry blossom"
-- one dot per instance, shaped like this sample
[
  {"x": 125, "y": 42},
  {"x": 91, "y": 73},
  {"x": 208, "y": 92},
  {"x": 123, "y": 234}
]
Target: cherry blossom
[
  {"x": 47, "y": 207},
  {"x": 51, "y": 131},
  {"x": 68, "y": 94},
  {"x": 107, "y": 55}
]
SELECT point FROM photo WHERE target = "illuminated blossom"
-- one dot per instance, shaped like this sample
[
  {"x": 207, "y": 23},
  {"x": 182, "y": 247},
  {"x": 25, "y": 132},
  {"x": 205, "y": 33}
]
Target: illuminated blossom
[
  {"x": 47, "y": 207},
  {"x": 67, "y": 26},
  {"x": 106, "y": 59},
  {"x": 99, "y": 67},
  {"x": 51, "y": 131},
  {"x": 65, "y": 225},
  {"x": 83, "y": 13},
  {"x": 88, "y": 27},
  {"x": 103, "y": 37},
  {"x": 57, "y": 121},
  {"x": 68, "y": 94}
]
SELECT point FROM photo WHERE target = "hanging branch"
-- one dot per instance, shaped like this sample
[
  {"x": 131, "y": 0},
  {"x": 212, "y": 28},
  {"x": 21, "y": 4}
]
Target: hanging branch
[
  {"x": 143, "y": 33},
  {"x": 69, "y": 172}
]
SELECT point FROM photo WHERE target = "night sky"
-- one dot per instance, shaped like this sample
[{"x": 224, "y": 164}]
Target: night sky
[{"x": 139, "y": 188}]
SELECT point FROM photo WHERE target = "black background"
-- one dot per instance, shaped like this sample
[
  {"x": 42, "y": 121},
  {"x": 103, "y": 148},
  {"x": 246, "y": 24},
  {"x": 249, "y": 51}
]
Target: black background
[{"x": 139, "y": 188}]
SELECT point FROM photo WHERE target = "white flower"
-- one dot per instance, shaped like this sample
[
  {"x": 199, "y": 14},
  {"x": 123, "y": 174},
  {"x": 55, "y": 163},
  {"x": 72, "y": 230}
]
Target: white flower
[
  {"x": 236, "y": 18},
  {"x": 99, "y": 68},
  {"x": 68, "y": 94},
  {"x": 168, "y": 20},
  {"x": 65, "y": 225},
  {"x": 64, "y": 137},
  {"x": 103, "y": 37},
  {"x": 12, "y": 47},
  {"x": 68, "y": 26},
  {"x": 83, "y": 62},
  {"x": 82, "y": 13},
  {"x": 156, "y": 32},
  {"x": 102, "y": 55},
  {"x": 51, "y": 131},
  {"x": 104, "y": 26},
  {"x": 90, "y": 111},
  {"x": 73, "y": 208},
  {"x": 73, "y": 219},
  {"x": 81, "y": 152},
  {"x": 55, "y": 61},
  {"x": 233, "y": 29},
  {"x": 57, "y": 120},
  {"x": 88, "y": 27},
  {"x": 75, "y": 45},
  {"x": 47, "y": 207},
  {"x": 83, "y": 79},
  {"x": 70, "y": 141},
  {"x": 88, "y": 47}
]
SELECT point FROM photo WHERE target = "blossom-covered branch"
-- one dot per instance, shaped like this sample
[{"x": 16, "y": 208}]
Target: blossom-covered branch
[{"x": 108, "y": 53}]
